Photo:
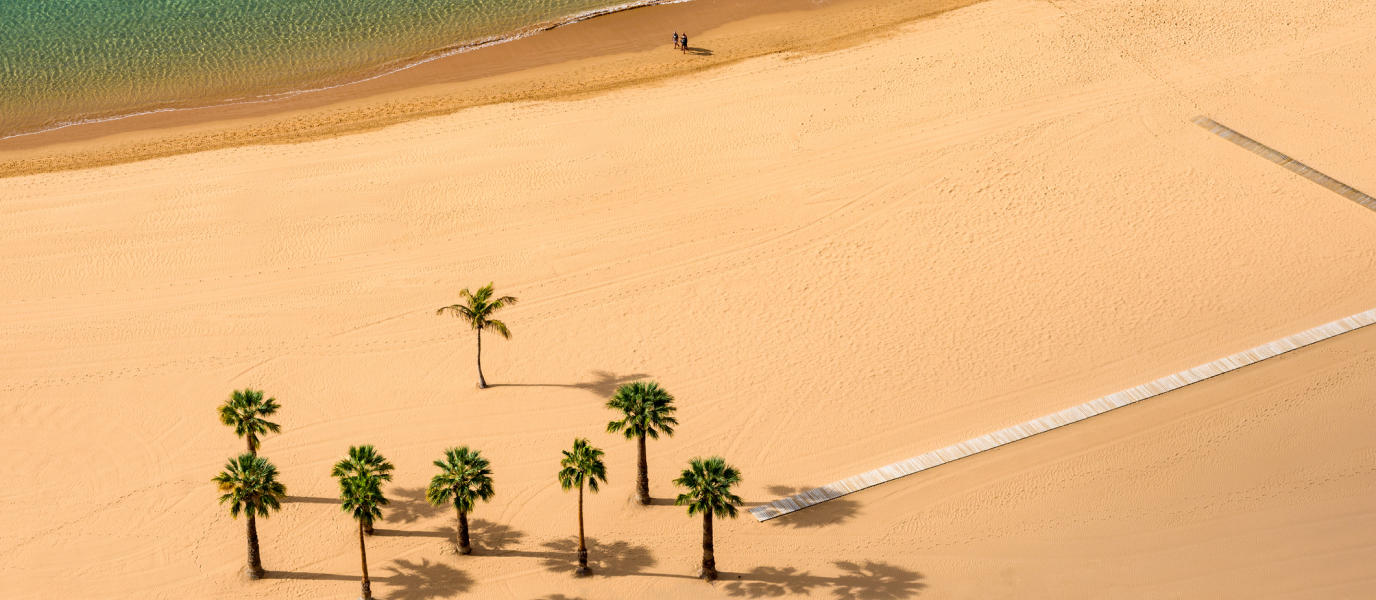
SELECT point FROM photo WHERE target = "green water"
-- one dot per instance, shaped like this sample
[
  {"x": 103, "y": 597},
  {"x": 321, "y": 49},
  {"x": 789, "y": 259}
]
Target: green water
[{"x": 63, "y": 61}]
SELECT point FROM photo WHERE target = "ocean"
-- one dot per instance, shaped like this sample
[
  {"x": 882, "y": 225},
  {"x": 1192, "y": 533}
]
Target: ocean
[{"x": 71, "y": 61}]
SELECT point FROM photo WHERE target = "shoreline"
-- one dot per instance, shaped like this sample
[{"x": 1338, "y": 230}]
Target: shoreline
[
  {"x": 604, "y": 52},
  {"x": 363, "y": 76}
]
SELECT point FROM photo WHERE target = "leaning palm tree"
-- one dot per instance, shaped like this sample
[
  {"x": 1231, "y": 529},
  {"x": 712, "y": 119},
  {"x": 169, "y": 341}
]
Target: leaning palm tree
[
  {"x": 244, "y": 411},
  {"x": 582, "y": 465},
  {"x": 362, "y": 460},
  {"x": 362, "y": 498},
  {"x": 646, "y": 410},
  {"x": 250, "y": 487},
  {"x": 477, "y": 310},
  {"x": 709, "y": 483},
  {"x": 465, "y": 477}
]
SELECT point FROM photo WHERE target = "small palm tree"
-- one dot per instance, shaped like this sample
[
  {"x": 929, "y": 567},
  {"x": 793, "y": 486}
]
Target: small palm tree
[
  {"x": 465, "y": 477},
  {"x": 477, "y": 309},
  {"x": 709, "y": 483},
  {"x": 244, "y": 411},
  {"x": 646, "y": 410},
  {"x": 250, "y": 487},
  {"x": 362, "y": 460},
  {"x": 582, "y": 465},
  {"x": 362, "y": 498}
]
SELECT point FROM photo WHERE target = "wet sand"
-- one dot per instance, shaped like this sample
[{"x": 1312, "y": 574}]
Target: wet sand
[{"x": 596, "y": 55}]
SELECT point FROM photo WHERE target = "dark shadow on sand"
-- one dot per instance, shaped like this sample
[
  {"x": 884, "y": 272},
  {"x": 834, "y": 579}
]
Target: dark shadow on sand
[
  {"x": 699, "y": 51},
  {"x": 438, "y": 533},
  {"x": 602, "y": 384},
  {"x": 303, "y": 576},
  {"x": 832, "y": 512},
  {"x": 309, "y": 500},
  {"x": 868, "y": 581},
  {"x": 405, "y": 579},
  {"x": 423, "y": 580},
  {"x": 561, "y": 556},
  {"x": 491, "y": 538},
  {"x": 409, "y": 505}
]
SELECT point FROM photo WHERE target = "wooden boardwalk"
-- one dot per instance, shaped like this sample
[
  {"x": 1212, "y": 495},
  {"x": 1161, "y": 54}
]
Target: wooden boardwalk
[
  {"x": 1298, "y": 167},
  {"x": 1070, "y": 415}
]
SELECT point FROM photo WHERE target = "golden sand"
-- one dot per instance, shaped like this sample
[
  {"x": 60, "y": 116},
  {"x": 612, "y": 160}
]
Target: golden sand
[{"x": 834, "y": 259}]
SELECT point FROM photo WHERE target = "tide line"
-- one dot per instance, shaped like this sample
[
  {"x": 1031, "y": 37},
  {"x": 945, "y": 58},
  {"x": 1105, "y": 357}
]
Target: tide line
[{"x": 1070, "y": 415}]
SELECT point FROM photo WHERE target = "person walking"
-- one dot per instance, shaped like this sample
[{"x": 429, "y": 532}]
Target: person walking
[
  {"x": 676, "y": 40},
  {"x": 683, "y": 42}
]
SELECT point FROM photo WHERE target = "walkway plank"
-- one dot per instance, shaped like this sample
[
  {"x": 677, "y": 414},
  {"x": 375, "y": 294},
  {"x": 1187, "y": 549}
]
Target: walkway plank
[
  {"x": 1291, "y": 164},
  {"x": 1074, "y": 414}
]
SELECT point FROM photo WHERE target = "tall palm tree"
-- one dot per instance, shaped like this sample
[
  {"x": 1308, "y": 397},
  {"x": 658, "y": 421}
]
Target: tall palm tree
[
  {"x": 709, "y": 483},
  {"x": 582, "y": 465},
  {"x": 362, "y": 498},
  {"x": 244, "y": 411},
  {"x": 362, "y": 460},
  {"x": 477, "y": 310},
  {"x": 250, "y": 487},
  {"x": 465, "y": 477},
  {"x": 646, "y": 410}
]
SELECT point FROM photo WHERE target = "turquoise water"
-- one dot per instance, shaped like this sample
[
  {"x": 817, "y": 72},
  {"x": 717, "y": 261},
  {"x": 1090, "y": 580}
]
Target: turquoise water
[{"x": 64, "y": 61}]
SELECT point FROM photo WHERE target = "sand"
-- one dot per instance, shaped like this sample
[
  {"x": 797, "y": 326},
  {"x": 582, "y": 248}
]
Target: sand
[{"x": 834, "y": 259}]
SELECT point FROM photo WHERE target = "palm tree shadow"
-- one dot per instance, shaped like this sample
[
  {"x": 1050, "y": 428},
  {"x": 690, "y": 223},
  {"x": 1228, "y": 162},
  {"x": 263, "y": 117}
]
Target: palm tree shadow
[
  {"x": 309, "y": 500},
  {"x": 832, "y": 512},
  {"x": 422, "y": 580},
  {"x": 868, "y": 581},
  {"x": 304, "y": 576},
  {"x": 617, "y": 558},
  {"x": 409, "y": 505},
  {"x": 603, "y": 383},
  {"x": 438, "y": 533},
  {"x": 493, "y": 537}
]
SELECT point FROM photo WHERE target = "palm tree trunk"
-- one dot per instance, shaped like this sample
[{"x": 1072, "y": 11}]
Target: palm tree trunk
[
  {"x": 482, "y": 383},
  {"x": 642, "y": 484},
  {"x": 464, "y": 547},
  {"x": 252, "y": 447},
  {"x": 367, "y": 592},
  {"x": 583, "y": 570},
  {"x": 709, "y": 560},
  {"x": 255, "y": 562},
  {"x": 367, "y": 526}
]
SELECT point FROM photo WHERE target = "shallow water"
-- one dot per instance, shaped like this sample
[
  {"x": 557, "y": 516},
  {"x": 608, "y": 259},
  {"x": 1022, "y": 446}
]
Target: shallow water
[{"x": 64, "y": 61}]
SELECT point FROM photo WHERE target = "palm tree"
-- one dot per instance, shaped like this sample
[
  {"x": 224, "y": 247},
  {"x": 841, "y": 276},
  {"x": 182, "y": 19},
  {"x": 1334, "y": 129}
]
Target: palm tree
[
  {"x": 465, "y": 477},
  {"x": 646, "y": 410},
  {"x": 709, "y": 484},
  {"x": 244, "y": 411},
  {"x": 362, "y": 460},
  {"x": 582, "y": 465},
  {"x": 362, "y": 498},
  {"x": 251, "y": 487},
  {"x": 477, "y": 310}
]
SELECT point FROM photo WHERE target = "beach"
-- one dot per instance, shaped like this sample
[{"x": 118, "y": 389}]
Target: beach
[{"x": 842, "y": 235}]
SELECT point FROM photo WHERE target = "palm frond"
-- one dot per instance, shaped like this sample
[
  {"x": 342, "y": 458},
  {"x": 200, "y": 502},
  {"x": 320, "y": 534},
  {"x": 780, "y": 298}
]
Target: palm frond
[
  {"x": 498, "y": 327},
  {"x": 465, "y": 477},
  {"x": 646, "y": 408},
  {"x": 708, "y": 484},
  {"x": 582, "y": 465},
  {"x": 250, "y": 485}
]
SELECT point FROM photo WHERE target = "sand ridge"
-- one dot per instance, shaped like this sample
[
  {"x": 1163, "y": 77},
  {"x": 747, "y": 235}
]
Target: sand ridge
[{"x": 833, "y": 260}]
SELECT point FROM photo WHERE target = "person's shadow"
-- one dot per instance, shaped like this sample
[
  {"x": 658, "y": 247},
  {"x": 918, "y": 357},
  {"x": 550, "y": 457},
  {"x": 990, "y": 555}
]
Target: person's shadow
[{"x": 698, "y": 51}]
